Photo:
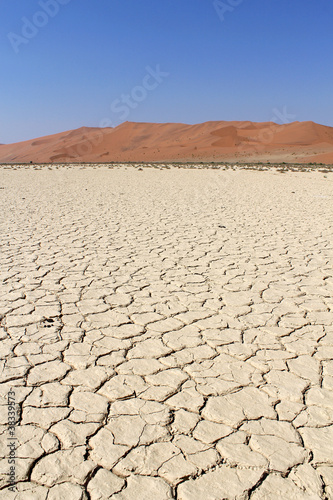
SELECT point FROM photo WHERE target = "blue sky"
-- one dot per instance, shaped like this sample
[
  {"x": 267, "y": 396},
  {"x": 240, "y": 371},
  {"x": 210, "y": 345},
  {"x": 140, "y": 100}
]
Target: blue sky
[{"x": 73, "y": 63}]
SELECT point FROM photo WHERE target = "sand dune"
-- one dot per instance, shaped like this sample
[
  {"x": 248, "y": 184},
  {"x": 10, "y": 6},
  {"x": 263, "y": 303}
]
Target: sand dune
[{"x": 209, "y": 141}]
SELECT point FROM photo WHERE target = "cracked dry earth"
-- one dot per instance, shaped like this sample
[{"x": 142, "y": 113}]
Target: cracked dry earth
[{"x": 167, "y": 333}]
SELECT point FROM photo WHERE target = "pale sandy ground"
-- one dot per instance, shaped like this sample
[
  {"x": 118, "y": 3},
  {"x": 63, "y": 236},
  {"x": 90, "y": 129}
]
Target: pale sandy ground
[{"x": 167, "y": 333}]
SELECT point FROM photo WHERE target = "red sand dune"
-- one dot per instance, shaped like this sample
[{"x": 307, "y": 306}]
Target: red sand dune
[{"x": 301, "y": 142}]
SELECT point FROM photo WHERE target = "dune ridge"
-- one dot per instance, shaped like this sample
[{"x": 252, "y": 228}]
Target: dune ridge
[{"x": 209, "y": 141}]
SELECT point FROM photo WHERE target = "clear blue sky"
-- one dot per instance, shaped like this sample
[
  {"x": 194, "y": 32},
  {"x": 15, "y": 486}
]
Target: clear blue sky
[{"x": 257, "y": 57}]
